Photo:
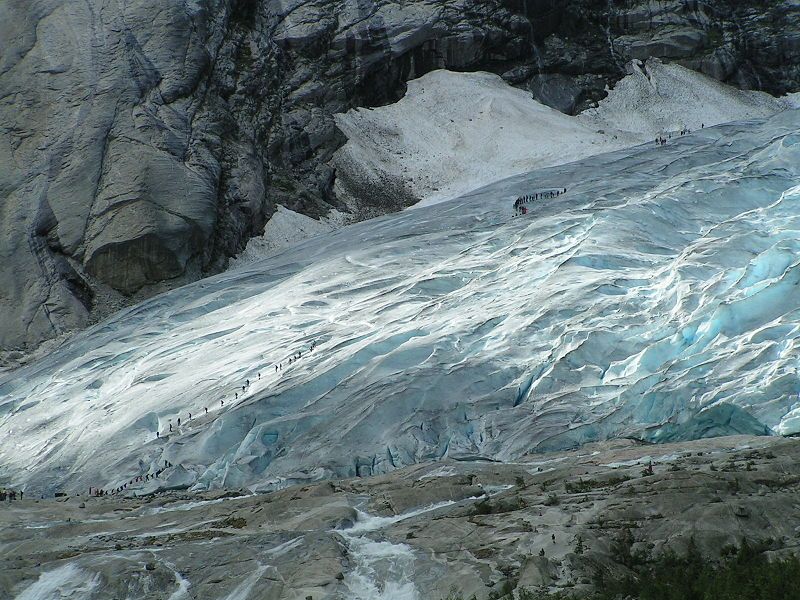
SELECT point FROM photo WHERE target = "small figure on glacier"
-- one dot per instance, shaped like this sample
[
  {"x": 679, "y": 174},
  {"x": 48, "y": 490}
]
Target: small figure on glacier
[
  {"x": 179, "y": 421},
  {"x": 170, "y": 427},
  {"x": 206, "y": 409}
]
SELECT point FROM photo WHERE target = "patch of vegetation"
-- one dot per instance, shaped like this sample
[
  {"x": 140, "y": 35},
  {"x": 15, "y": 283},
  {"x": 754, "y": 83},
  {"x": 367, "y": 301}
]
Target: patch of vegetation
[
  {"x": 506, "y": 590},
  {"x": 587, "y": 485},
  {"x": 484, "y": 507},
  {"x": 579, "y": 546},
  {"x": 498, "y": 506},
  {"x": 551, "y": 500},
  {"x": 233, "y": 522},
  {"x": 743, "y": 573}
]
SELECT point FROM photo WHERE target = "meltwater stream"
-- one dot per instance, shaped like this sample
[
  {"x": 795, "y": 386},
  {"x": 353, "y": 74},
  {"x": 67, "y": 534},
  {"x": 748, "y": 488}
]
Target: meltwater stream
[{"x": 381, "y": 570}]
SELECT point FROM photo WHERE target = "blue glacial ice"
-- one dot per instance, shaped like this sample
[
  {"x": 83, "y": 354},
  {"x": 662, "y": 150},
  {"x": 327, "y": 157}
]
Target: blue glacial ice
[{"x": 657, "y": 299}]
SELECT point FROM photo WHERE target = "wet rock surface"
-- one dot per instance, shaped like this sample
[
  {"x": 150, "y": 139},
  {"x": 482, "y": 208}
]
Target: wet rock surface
[
  {"x": 143, "y": 145},
  {"x": 420, "y": 530}
]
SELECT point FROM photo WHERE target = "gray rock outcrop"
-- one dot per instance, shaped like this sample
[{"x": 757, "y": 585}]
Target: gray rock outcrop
[
  {"x": 479, "y": 527},
  {"x": 143, "y": 143}
]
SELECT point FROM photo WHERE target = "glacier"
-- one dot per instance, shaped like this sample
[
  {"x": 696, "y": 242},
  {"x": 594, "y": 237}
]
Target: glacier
[{"x": 656, "y": 299}]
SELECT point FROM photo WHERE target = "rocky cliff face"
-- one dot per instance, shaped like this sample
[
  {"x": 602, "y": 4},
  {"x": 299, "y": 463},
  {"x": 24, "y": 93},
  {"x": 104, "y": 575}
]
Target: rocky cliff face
[{"x": 143, "y": 144}]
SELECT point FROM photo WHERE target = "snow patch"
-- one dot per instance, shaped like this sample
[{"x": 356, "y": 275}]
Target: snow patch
[
  {"x": 455, "y": 132},
  {"x": 659, "y": 99},
  {"x": 286, "y": 229}
]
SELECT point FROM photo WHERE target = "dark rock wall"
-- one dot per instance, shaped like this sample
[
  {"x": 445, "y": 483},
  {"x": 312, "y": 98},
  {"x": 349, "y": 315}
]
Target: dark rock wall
[{"x": 143, "y": 143}]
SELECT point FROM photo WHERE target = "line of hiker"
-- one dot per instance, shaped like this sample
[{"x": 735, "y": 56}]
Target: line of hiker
[
  {"x": 246, "y": 386},
  {"x": 662, "y": 141},
  {"x": 99, "y": 492},
  {"x": 10, "y": 495},
  {"x": 297, "y": 356},
  {"x": 519, "y": 203}
]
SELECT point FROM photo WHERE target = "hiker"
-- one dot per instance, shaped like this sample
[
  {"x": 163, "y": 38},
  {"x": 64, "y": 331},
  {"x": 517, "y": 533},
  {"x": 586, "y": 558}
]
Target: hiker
[
  {"x": 222, "y": 402},
  {"x": 179, "y": 421},
  {"x": 276, "y": 368},
  {"x": 554, "y": 538},
  {"x": 206, "y": 409},
  {"x": 170, "y": 427},
  {"x": 158, "y": 434},
  {"x": 190, "y": 416}
]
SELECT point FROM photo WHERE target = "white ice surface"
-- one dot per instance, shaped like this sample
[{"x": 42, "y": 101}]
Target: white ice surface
[
  {"x": 657, "y": 298},
  {"x": 285, "y": 229},
  {"x": 454, "y": 132}
]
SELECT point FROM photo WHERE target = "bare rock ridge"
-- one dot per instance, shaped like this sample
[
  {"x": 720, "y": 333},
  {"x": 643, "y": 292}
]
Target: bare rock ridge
[{"x": 143, "y": 144}]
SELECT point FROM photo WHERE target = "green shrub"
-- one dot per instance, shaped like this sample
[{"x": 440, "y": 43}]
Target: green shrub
[{"x": 551, "y": 500}]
